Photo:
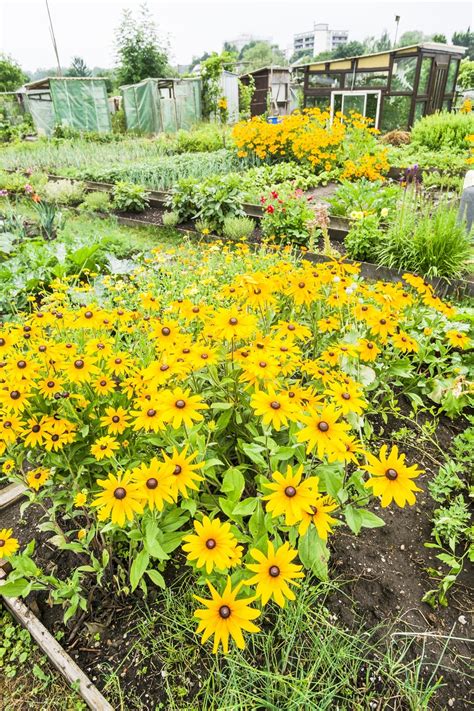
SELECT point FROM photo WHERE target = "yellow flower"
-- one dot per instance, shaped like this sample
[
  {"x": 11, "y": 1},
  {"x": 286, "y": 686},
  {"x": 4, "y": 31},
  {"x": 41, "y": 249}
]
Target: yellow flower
[
  {"x": 274, "y": 572},
  {"x": 115, "y": 419},
  {"x": 183, "y": 471},
  {"x": 275, "y": 409},
  {"x": 318, "y": 514},
  {"x": 225, "y": 616},
  {"x": 291, "y": 495},
  {"x": 37, "y": 477},
  {"x": 212, "y": 545},
  {"x": 104, "y": 447},
  {"x": 323, "y": 431},
  {"x": 458, "y": 339},
  {"x": 391, "y": 478},
  {"x": 80, "y": 499},
  {"x": 180, "y": 407},
  {"x": 120, "y": 500},
  {"x": 8, "y": 544},
  {"x": 155, "y": 482}
]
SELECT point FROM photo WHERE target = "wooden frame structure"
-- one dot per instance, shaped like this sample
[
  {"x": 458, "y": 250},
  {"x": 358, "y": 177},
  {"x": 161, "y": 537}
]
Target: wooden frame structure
[
  {"x": 412, "y": 81},
  {"x": 272, "y": 90}
]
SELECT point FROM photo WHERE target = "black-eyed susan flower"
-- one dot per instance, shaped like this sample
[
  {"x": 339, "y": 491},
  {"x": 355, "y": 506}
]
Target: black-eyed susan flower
[
  {"x": 391, "y": 478},
  {"x": 8, "y": 466},
  {"x": 155, "y": 481},
  {"x": 179, "y": 407},
  {"x": 81, "y": 369},
  {"x": 80, "y": 499},
  {"x": 225, "y": 616},
  {"x": 184, "y": 471},
  {"x": 347, "y": 396},
  {"x": 116, "y": 419},
  {"x": 405, "y": 343},
  {"x": 149, "y": 417},
  {"x": 274, "y": 573},
  {"x": 121, "y": 499},
  {"x": 291, "y": 494},
  {"x": 233, "y": 324},
  {"x": 275, "y": 409},
  {"x": 323, "y": 431},
  {"x": 212, "y": 545},
  {"x": 367, "y": 350},
  {"x": 36, "y": 478},
  {"x": 458, "y": 339},
  {"x": 8, "y": 544},
  {"x": 104, "y": 447},
  {"x": 319, "y": 515},
  {"x": 14, "y": 398},
  {"x": 103, "y": 385}
]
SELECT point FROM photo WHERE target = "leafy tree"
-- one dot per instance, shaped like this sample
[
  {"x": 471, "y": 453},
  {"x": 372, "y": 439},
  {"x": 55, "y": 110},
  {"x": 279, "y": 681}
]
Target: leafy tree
[
  {"x": 211, "y": 70},
  {"x": 466, "y": 74},
  {"x": 261, "y": 54},
  {"x": 465, "y": 39},
  {"x": 378, "y": 44},
  {"x": 11, "y": 74},
  {"x": 230, "y": 48},
  {"x": 139, "y": 52},
  {"x": 322, "y": 56},
  {"x": 350, "y": 49},
  {"x": 411, "y": 37},
  {"x": 440, "y": 38},
  {"x": 78, "y": 68}
]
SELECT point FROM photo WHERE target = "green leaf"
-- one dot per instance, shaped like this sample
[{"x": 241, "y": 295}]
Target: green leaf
[
  {"x": 245, "y": 507},
  {"x": 257, "y": 522},
  {"x": 139, "y": 565},
  {"x": 253, "y": 452},
  {"x": 361, "y": 518},
  {"x": 314, "y": 553},
  {"x": 15, "y": 588},
  {"x": 156, "y": 578},
  {"x": 233, "y": 484}
]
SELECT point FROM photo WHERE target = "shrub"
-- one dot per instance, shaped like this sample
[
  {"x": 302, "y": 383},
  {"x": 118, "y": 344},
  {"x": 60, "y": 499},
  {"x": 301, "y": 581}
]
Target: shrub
[
  {"x": 218, "y": 198},
  {"x": 96, "y": 202},
  {"x": 170, "y": 218},
  {"x": 63, "y": 192},
  {"x": 363, "y": 237},
  {"x": 429, "y": 241},
  {"x": 287, "y": 217},
  {"x": 238, "y": 228},
  {"x": 182, "y": 199},
  {"x": 207, "y": 138},
  {"x": 443, "y": 130},
  {"x": 364, "y": 195},
  {"x": 129, "y": 197}
]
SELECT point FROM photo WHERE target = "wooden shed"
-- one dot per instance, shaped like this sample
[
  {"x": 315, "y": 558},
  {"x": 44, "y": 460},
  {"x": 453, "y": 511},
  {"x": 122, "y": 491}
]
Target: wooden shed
[
  {"x": 394, "y": 87},
  {"x": 272, "y": 91}
]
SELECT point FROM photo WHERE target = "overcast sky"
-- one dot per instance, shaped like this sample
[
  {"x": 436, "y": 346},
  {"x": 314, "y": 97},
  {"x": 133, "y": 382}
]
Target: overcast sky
[{"x": 86, "y": 27}]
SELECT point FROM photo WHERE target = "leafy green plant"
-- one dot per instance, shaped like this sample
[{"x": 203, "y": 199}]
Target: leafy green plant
[
  {"x": 443, "y": 130},
  {"x": 446, "y": 481},
  {"x": 170, "y": 219},
  {"x": 218, "y": 198},
  {"x": 450, "y": 523},
  {"x": 63, "y": 192},
  {"x": 129, "y": 197},
  {"x": 98, "y": 201},
  {"x": 365, "y": 196},
  {"x": 50, "y": 218},
  {"x": 287, "y": 217},
  {"x": 363, "y": 237},
  {"x": 238, "y": 228},
  {"x": 182, "y": 199}
]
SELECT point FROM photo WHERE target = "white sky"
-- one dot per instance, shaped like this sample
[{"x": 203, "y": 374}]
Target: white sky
[{"x": 86, "y": 27}]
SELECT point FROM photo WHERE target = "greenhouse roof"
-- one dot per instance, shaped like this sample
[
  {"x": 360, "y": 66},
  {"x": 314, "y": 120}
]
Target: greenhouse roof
[
  {"x": 430, "y": 46},
  {"x": 44, "y": 83}
]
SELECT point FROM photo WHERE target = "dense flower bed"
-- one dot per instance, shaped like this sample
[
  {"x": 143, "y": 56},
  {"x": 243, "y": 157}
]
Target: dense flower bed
[{"x": 216, "y": 404}]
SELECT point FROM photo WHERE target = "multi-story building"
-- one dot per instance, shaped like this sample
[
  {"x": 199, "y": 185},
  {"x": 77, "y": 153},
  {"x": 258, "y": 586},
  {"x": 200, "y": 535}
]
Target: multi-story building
[{"x": 319, "y": 39}]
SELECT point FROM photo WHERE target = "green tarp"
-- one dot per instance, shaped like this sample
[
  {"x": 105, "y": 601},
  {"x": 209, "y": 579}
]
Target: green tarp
[
  {"x": 79, "y": 103},
  {"x": 156, "y": 105}
]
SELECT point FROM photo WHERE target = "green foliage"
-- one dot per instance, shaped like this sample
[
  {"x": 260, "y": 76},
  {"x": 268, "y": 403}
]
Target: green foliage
[
  {"x": 428, "y": 241},
  {"x": 466, "y": 73},
  {"x": 50, "y": 218},
  {"x": 258, "y": 54},
  {"x": 246, "y": 92},
  {"x": 363, "y": 237},
  {"x": 129, "y": 197},
  {"x": 204, "y": 138},
  {"x": 465, "y": 39},
  {"x": 445, "y": 159},
  {"x": 96, "y": 202},
  {"x": 292, "y": 175},
  {"x": 238, "y": 228},
  {"x": 287, "y": 218},
  {"x": 11, "y": 74},
  {"x": 211, "y": 71},
  {"x": 217, "y": 199},
  {"x": 349, "y": 49},
  {"x": 443, "y": 130},
  {"x": 442, "y": 181},
  {"x": 170, "y": 219},
  {"x": 446, "y": 481},
  {"x": 364, "y": 196},
  {"x": 138, "y": 48},
  {"x": 450, "y": 523},
  {"x": 182, "y": 199},
  {"x": 119, "y": 124},
  {"x": 78, "y": 68}
]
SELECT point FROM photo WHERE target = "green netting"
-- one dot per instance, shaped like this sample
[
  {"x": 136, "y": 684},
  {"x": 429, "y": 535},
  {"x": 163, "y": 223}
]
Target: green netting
[
  {"x": 149, "y": 109},
  {"x": 41, "y": 108},
  {"x": 81, "y": 104}
]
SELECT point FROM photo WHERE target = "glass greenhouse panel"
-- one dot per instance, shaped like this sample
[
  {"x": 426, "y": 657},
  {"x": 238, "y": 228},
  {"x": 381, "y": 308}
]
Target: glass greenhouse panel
[
  {"x": 362, "y": 79},
  {"x": 396, "y": 112},
  {"x": 425, "y": 72},
  {"x": 453, "y": 67},
  {"x": 403, "y": 75}
]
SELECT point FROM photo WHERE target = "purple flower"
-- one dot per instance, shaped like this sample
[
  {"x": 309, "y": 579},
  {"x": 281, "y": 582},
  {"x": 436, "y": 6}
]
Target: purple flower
[
  {"x": 29, "y": 188},
  {"x": 3, "y": 193}
]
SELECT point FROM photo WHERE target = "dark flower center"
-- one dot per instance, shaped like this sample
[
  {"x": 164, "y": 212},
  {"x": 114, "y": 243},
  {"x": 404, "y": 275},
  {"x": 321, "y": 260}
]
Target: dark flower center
[
  {"x": 55, "y": 438},
  {"x": 233, "y": 322},
  {"x": 50, "y": 383},
  {"x": 151, "y": 483},
  {"x": 224, "y": 611},
  {"x": 291, "y": 327},
  {"x": 323, "y": 426},
  {"x": 211, "y": 543},
  {"x": 88, "y": 314},
  {"x": 391, "y": 474},
  {"x": 275, "y": 405},
  {"x": 164, "y": 367},
  {"x": 21, "y": 364},
  {"x": 290, "y": 491},
  {"x": 274, "y": 571},
  {"x": 180, "y": 404},
  {"x": 346, "y": 396},
  {"x": 165, "y": 331},
  {"x": 120, "y": 493},
  {"x": 204, "y": 356},
  {"x": 103, "y": 383},
  {"x": 35, "y": 428},
  {"x": 151, "y": 412},
  {"x": 383, "y": 321},
  {"x": 370, "y": 346},
  {"x": 262, "y": 364},
  {"x": 2, "y": 542},
  {"x": 115, "y": 419},
  {"x": 301, "y": 285},
  {"x": 15, "y": 395},
  {"x": 79, "y": 364},
  {"x": 177, "y": 470}
]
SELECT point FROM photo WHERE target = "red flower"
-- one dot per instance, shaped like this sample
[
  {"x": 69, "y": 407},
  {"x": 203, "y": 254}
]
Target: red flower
[
  {"x": 263, "y": 200},
  {"x": 270, "y": 209},
  {"x": 274, "y": 194}
]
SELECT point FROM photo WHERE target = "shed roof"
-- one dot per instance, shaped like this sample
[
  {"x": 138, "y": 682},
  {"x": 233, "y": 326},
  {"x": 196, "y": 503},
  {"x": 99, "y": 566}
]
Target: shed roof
[
  {"x": 44, "y": 83},
  {"x": 431, "y": 46},
  {"x": 273, "y": 67}
]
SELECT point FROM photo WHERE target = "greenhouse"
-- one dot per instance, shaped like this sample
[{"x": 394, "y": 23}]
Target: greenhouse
[
  {"x": 155, "y": 105},
  {"x": 79, "y": 103},
  {"x": 394, "y": 88},
  {"x": 273, "y": 91}
]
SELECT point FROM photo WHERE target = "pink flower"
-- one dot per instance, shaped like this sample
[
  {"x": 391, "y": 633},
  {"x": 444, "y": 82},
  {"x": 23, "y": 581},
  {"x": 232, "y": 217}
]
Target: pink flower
[
  {"x": 29, "y": 188},
  {"x": 298, "y": 192}
]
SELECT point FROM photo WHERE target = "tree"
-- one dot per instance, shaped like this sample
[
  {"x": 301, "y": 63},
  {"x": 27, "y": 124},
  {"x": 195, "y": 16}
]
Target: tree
[
  {"x": 440, "y": 38},
  {"x": 11, "y": 74},
  {"x": 350, "y": 49},
  {"x": 466, "y": 74},
  {"x": 378, "y": 44},
  {"x": 78, "y": 68},
  {"x": 411, "y": 37},
  {"x": 138, "y": 49},
  {"x": 261, "y": 54},
  {"x": 465, "y": 39}
]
